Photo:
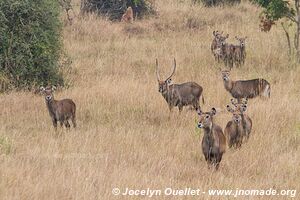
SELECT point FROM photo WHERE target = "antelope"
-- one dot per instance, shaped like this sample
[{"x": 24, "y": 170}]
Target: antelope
[
  {"x": 215, "y": 45},
  {"x": 246, "y": 120},
  {"x": 213, "y": 141},
  {"x": 240, "y": 51},
  {"x": 246, "y": 88},
  {"x": 128, "y": 15},
  {"x": 179, "y": 95},
  {"x": 226, "y": 51},
  {"x": 240, "y": 126},
  {"x": 59, "y": 111}
]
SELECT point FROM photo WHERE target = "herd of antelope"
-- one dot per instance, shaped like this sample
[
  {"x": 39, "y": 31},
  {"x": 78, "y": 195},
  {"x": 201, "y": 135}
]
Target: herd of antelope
[
  {"x": 230, "y": 54},
  {"x": 238, "y": 128}
]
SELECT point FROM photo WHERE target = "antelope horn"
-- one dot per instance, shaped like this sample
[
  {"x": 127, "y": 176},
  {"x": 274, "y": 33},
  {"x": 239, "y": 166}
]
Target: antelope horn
[
  {"x": 174, "y": 68},
  {"x": 157, "y": 72}
]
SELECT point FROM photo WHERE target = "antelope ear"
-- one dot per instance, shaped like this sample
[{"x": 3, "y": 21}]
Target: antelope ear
[
  {"x": 199, "y": 112},
  {"x": 229, "y": 109},
  {"x": 169, "y": 81},
  {"x": 53, "y": 88},
  {"x": 42, "y": 89},
  {"x": 213, "y": 111}
]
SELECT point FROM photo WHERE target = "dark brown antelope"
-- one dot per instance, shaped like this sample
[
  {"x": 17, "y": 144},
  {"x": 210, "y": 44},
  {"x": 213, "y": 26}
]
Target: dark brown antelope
[
  {"x": 179, "y": 94},
  {"x": 213, "y": 141},
  {"x": 246, "y": 88},
  {"x": 239, "y": 127},
  {"x": 60, "y": 111}
]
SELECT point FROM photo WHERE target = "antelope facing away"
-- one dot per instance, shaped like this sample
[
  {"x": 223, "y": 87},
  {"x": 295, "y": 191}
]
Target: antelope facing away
[
  {"x": 246, "y": 88},
  {"x": 60, "y": 111},
  {"x": 240, "y": 126},
  {"x": 213, "y": 141},
  {"x": 179, "y": 94}
]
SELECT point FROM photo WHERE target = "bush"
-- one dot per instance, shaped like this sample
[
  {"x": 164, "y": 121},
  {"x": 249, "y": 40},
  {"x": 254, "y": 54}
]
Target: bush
[
  {"x": 30, "y": 43},
  {"x": 114, "y": 9},
  {"x": 210, "y": 3}
]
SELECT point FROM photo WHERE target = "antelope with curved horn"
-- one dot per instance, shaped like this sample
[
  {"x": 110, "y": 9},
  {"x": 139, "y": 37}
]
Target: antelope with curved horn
[{"x": 179, "y": 95}]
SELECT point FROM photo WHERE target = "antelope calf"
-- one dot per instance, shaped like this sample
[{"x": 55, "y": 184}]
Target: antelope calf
[
  {"x": 246, "y": 88},
  {"x": 60, "y": 111},
  {"x": 213, "y": 141},
  {"x": 239, "y": 127},
  {"x": 179, "y": 95},
  {"x": 128, "y": 15}
]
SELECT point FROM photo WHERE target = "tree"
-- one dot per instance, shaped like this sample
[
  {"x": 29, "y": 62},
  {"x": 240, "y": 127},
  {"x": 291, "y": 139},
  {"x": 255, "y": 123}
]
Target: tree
[
  {"x": 114, "y": 9},
  {"x": 30, "y": 43},
  {"x": 274, "y": 10}
]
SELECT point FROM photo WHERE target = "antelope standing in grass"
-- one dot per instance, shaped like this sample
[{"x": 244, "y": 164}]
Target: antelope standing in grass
[
  {"x": 215, "y": 45},
  {"x": 179, "y": 94},
  {"x": 59, "y": 111},
  {"x": 240, "y": 126},
  {"x": 239, "y": 54},
  {"x": 226, "y": 51},
  {"x": 246, "y": 88},
  {"x": 213, "y": 141}
]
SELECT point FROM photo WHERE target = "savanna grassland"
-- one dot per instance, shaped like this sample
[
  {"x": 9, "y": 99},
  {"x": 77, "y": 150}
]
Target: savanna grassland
[{"x": 125, "y": 137}]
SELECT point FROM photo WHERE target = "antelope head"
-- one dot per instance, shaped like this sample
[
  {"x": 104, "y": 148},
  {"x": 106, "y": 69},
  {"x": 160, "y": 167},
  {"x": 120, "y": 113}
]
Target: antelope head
[
  {"x": 222, "y": 39},
  {"x": 241, "y": 107},
  {"x": 241, "y": 40},
  {"x": 163, "y": 85},
  {"x": 48, "y": 92},
  {"x": 206, "y": 120},
  {"x": 236, "y": 115},
  {"x": 225, "y": 75}
]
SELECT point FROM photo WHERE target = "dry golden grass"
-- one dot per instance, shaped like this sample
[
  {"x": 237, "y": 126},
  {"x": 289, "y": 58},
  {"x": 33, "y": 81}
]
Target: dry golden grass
[{"x": 124, "y": 138}]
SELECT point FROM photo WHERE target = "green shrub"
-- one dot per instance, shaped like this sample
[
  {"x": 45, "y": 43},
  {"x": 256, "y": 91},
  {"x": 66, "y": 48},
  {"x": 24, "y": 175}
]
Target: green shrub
[
  {"x": 30, "y": 43},
  {"x": 114, "y": 9}
]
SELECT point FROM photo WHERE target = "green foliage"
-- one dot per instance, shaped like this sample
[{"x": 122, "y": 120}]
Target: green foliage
[
  {"x": 114, "y": 9},
  {"x": 209, "y": 3},
  {"x": 30, "y": 43},
  {"x": 276, "y": 9}
]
